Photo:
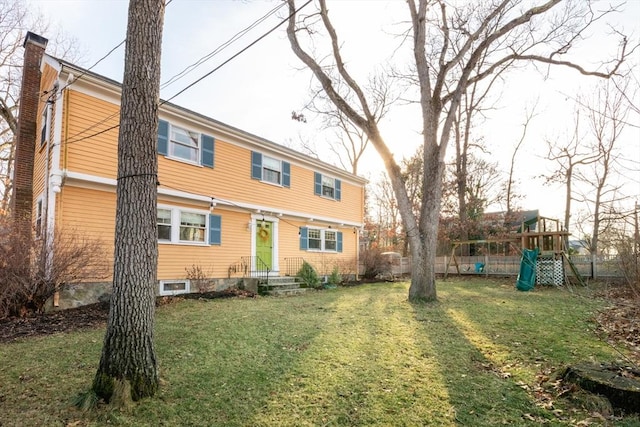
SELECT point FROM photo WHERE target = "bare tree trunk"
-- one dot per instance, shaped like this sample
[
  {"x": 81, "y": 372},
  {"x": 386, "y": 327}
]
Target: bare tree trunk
[{"x": 128, "y": 363}]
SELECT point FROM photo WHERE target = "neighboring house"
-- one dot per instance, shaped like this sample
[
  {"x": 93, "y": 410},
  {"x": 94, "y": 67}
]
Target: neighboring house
[{"x": 229, "y": 202}]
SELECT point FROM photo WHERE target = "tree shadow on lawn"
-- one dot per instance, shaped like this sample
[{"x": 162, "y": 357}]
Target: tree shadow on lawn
[
  {"x": 222, "y": 368},
  {"x": 480, "y": 388},
  {"x": 502, "y": 349}
]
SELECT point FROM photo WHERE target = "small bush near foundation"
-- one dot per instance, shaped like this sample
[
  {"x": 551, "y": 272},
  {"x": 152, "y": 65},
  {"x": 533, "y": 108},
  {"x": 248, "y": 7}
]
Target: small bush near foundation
[
  {"x": 309, "y": 276},
  {"x": 335, "y": 278}
]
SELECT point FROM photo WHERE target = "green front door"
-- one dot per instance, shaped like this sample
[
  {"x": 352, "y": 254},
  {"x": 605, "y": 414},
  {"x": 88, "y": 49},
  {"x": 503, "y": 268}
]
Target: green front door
[{"x": 264, "y": 242}]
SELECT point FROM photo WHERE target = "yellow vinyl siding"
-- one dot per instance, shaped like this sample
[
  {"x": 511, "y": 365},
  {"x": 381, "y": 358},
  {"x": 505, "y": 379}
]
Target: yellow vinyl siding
[
  {"x": 98, "y": 154},
  {"x": 42, "y": 151},
  {"x": 231, "y": 180}
]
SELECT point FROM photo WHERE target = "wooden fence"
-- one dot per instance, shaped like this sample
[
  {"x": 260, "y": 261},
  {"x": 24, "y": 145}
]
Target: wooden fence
[{"x": 586, "y": 265}]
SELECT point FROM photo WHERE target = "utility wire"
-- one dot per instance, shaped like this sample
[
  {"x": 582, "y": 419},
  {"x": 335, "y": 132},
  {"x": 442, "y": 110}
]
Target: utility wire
[
  {"x": 219, "y": 49},
  {"x": 237, "y": 54},
  {"x": 195, "y": 82}
]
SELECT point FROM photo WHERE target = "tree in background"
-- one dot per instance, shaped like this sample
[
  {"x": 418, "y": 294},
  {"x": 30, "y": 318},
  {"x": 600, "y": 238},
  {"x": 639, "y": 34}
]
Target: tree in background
[
  {"x": 15, "y": 21},
  {"x": 128, "y": 367},
  {"x": 606, "y": 113},
  {"x": 567, "y": 158},
  {"x": 447, "y": 43}
]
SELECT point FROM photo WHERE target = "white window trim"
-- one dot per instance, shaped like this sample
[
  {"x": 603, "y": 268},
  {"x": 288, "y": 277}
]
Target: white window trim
[
  {"x": 39, "y": 215},
  {"x": 171, "y": 143},
  {"x": 322, "y": 240},
  {"x": 333, "y": 187},
  {"x": 45, "y": 125},
  {"x": 278, "y": 184},
  {"x": 175, "y": 226},
  {"x": 187, "y": 287}
]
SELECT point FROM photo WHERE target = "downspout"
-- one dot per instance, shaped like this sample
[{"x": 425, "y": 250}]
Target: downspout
[
  {"x": 44, "y": 228},
  {"x": 54, "y": 178}
]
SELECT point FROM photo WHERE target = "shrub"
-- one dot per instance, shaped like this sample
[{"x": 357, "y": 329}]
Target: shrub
[
  {"x": 197, "y": 275},
  {"x": 33, "y": 269},
  {"x": 309, "y": 276},
  {"x": 373, "y": 262},
  {"x": 335, "y": 278}
]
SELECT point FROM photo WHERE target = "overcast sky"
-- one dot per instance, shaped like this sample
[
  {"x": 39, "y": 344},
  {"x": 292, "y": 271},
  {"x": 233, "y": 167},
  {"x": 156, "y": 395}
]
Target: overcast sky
[{"x": 258, "y": 90}]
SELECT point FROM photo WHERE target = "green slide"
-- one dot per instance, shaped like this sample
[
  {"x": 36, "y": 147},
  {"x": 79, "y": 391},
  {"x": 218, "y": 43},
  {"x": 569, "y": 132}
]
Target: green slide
[{"x": 527, "y": 275}]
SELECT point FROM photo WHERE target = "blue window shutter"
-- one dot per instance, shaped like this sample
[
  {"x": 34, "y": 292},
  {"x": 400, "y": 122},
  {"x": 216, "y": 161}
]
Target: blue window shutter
[
  {"x": 256, "y": 165},
  {"x": 317, "y": 179},
  {"x": 304, "y": 238},
  {"x": 208, "y": 153},
  {"x": 339, "y": 242},
  {"x": 286, "y": 174},
  {"x": 215, "y": 229},
  {"x": 163, "y": 137},
  {"x": 338, "y": 189}
]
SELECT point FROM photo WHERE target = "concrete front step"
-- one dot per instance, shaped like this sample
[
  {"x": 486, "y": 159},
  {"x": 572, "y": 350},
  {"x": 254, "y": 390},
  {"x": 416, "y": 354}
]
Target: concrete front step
[{"x": 281, "y": 286}]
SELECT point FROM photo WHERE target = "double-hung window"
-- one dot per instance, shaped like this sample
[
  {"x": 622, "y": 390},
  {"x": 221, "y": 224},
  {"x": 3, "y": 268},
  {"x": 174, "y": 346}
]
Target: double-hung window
[
  {"x": 330, "y": 240},
  {"x": 269, "y": 169},
  {"x": 318, "y": 239},
  {"x": 177, "y": 142},
  {"x": 315, "y": 239},
  {"x": 176, "y": 225},
  {"x": 164, "y": 225},
  {"x": 326, "y": 186},
  {"x": 193, "y": 227},
  {"x": 39, "y": 214},
  {"x": 184, "y": 144},
  {"x": 44, "y": 125}
]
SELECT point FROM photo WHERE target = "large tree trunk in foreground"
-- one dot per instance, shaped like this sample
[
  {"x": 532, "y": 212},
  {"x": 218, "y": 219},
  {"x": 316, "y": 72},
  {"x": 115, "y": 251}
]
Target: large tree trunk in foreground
[{"x": 128, "y": 363}]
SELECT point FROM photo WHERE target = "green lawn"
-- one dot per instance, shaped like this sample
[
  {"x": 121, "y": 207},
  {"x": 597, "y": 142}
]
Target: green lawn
[{"x": 357, "y": 356}]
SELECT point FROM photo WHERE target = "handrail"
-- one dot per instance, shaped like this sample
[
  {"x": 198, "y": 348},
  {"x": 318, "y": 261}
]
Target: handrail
[
  {"x": 256, "y": 267},
  {"x": 292, "y": 265}
]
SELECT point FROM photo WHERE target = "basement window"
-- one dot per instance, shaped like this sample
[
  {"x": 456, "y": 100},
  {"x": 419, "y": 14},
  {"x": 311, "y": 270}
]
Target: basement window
[{"x": 174, "y": 287}]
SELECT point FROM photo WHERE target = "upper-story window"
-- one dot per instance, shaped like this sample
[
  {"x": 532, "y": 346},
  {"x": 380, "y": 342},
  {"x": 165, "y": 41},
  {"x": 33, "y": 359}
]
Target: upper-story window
[
  {"x": 44, "y": 125},
  {"x": 184, "y": 144},
  {"x": 327, "y": 186},
  {"x": 269, "y": 169},
  {"x": 179, "y": 143}
]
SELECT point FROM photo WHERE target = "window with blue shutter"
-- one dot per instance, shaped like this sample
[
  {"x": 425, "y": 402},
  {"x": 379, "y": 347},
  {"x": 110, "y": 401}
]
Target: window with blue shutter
[
  {"x": 339, "y": 245},
  {"x": 317, "y": 183},
  {"x": 328, "y": 187},
  {"x": 215, "y": 229},
  {"x": 163, "y": 137},
  {"x": 286, "y": 174},
  {"x": 304, "y": 238},
  {"x": 208, "y": 152},
  {"x": 256, "y": 165}
]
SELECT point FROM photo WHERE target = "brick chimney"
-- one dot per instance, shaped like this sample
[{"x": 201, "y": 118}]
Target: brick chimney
[{"x": 22, "y": 200}]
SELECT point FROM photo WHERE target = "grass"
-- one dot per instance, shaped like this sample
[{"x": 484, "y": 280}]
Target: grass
[{"x": 360, "y": 356}]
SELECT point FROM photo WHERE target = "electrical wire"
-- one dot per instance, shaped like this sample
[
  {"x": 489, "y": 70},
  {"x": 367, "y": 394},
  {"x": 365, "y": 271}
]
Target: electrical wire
[
  {"x": 220, "y": 48},
  {"x": 187, "y": 87},
  {"x": 237, "y": 54}
]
